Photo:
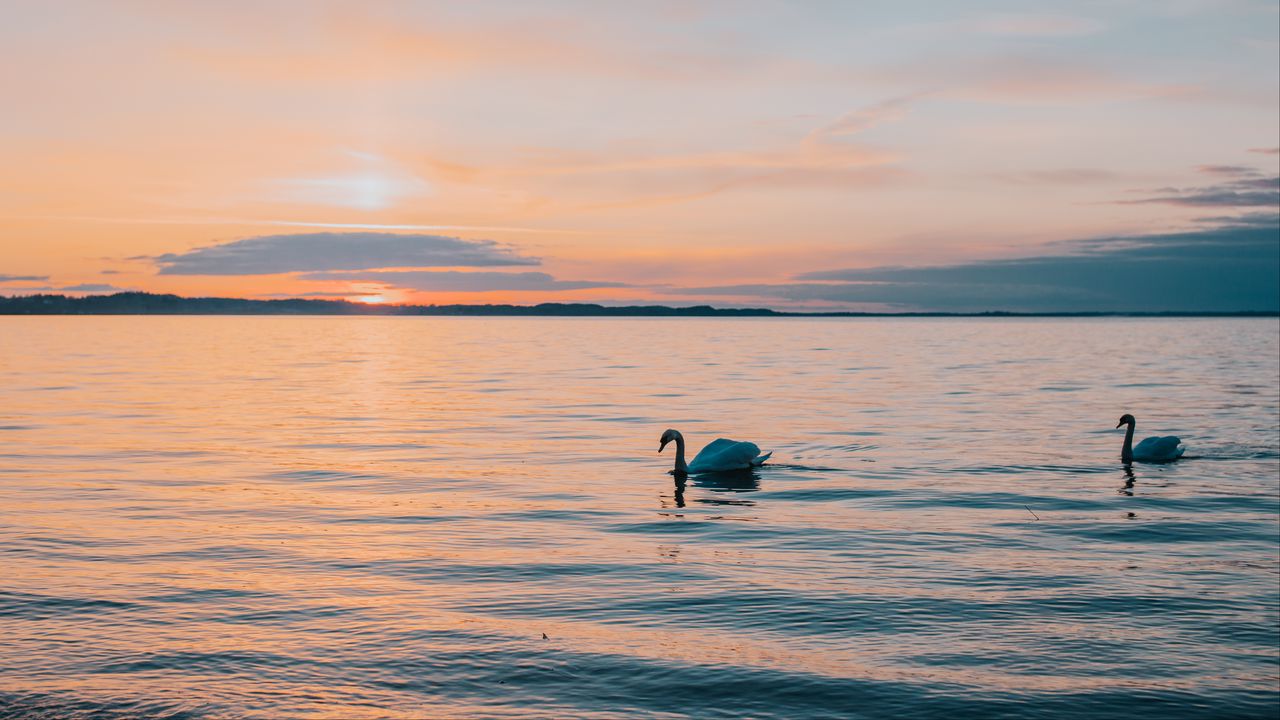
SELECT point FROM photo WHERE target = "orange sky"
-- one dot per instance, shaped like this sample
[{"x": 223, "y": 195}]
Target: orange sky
[{"x": 622, "y": 153}]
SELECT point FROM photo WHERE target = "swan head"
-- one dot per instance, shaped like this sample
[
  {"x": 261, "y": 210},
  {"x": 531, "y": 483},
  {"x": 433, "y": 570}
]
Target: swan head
[
  {"x": 1126, "y": 419},
  {"x": 667, "y": 437}
]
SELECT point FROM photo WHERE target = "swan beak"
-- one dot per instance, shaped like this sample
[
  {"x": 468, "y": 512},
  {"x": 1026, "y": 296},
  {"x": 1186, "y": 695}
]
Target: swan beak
[
  {"x": 663, "y": 445},
  {"x": 1119, "y": 425}
]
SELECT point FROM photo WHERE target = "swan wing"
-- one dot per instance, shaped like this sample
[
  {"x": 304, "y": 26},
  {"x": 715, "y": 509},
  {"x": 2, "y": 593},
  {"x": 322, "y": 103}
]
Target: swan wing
[
  {"x": 723, "y": 454},
  {"x": 1168, "y": 447}
]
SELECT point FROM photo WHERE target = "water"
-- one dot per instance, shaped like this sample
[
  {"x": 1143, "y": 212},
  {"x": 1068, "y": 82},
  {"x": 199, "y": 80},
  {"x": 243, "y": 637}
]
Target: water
[{"x": 381, "y": 517}]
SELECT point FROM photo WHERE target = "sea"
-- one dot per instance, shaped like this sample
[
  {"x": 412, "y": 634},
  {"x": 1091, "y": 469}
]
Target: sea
[{"x": 468, "y": 517}]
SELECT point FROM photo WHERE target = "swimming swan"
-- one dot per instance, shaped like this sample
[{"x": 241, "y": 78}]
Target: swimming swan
[
  {"x": 1153, "y": 449},
  {"x": 719, "y": 456}
]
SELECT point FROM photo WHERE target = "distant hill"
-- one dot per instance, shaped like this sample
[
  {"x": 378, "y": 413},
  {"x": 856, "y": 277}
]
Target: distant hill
[{"x": 141, "y": 303}]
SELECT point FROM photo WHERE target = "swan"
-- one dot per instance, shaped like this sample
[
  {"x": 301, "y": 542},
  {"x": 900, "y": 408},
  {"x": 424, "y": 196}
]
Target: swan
[
  {"x": 1153, "y": 449},
  {"x": 719, "y": 456}
]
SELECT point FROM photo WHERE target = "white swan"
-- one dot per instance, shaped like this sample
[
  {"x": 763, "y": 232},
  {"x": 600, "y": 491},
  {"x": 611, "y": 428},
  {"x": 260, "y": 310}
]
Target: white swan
[
  {"x": 721, "y": 455},
  {"x": 1153, "y": 449}
]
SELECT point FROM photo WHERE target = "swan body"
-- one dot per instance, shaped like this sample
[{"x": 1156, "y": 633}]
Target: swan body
[
  {"x": 720, "y": 455},
  {"x": 1153, "y": 449}
]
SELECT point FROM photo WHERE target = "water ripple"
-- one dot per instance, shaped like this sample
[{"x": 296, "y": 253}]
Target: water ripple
[{"x": 466, "y": 517}]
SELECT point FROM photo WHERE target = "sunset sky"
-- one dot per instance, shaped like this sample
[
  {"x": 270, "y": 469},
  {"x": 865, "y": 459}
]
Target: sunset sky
[{"x": 824, "y": 155}]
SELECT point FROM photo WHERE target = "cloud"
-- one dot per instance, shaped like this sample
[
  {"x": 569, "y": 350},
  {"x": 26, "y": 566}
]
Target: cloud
[
  {"x": 1037, "y": 25},
  {"x": 454, "y": 281},
  {"x": 1266, "y": 151},
  {"x": 90, "y": 288},
  {"x": 1228, "y": 170},
  {"x": 1254, "y": 219},
  {"x": 24, "y": 278},
  {"x": 1058, "y": 176},
  {"x": 336, "y": 46},
  {"x": 1027, "y": 78},
  {"x": 1245, "y": 192},
  {"x": 319, "y": 295},
  {"x": 864, "y": 119},
  {"x": 1230, "y": 268},
  {"x": 84, "y": 288},
  {"x": 1038, "y": 81},
  {"x": 273, "y": 254},
  {"x": 828, "y": 156}
]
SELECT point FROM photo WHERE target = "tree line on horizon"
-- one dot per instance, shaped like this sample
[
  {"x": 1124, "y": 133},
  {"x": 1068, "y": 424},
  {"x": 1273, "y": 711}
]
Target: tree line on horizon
[{"x": 143, "y": 303}]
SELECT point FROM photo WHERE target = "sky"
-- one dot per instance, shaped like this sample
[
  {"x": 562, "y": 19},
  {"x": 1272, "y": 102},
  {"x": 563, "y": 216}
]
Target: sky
[{"x": 882, "y": 156}]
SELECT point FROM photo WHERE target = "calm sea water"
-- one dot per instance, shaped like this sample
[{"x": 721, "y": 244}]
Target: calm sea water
[{"x": 382, "y": 517}]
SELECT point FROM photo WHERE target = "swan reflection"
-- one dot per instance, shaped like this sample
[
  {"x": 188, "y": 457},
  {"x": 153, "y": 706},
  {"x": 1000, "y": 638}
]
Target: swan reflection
[
  {"x": 680, "y": 483},
  {"x": 1128, "y": 481},
  {"x": 734, "y": 481},
  {"x": 729, "y": 481}
]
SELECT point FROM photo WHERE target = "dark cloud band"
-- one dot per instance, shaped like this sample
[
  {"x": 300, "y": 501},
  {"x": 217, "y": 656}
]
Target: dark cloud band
[
  {"x": 274, "y": 254},
  {"x": 1227, "y": 269}
]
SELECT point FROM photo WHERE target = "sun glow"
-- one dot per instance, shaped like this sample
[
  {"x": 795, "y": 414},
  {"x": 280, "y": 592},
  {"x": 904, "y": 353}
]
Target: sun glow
[{"x": 371, "y": 299}]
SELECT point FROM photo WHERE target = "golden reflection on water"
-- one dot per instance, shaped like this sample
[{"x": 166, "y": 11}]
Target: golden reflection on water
[{"x": 376, "y": 517}]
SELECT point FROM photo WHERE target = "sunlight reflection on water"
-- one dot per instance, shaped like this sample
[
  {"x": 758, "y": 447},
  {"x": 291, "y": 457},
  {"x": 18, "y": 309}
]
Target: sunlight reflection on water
[{"x": 381, "y": 517}]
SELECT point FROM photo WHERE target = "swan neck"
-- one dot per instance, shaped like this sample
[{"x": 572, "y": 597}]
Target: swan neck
[
  {"x": 1126, "y": 454},
  {"x": 681, "y": 466}
]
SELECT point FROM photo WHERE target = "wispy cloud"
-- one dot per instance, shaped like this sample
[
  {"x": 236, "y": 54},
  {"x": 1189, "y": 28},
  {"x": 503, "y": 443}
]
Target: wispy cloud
[
  {"x": 1036, "y": 25},
  {"x": 1246, "y": 191},
  {"x": 91, "y": 288},
  {"x": 1266, "y": 150},
  {"x": 826, "y": 157},
  {"x": 1228, "y": 170},
  {"x": 864, "y": 119},
  {"x": 24, "y": 278},
  {"x": 455, "y": 281},
  {"x": 364, "y": 45},
  {"x": 1028, "y": 78},
  {"x": 1046, "y": 81},
  {"x": 273, "y": 254},
  {"x": 1058, "y": 176},
  {"x": 78, "y": 289},
  {"x": 1262, "y": 219},
  {"x": 250, "y": 222},
  {"x": 318, "y": 294}
]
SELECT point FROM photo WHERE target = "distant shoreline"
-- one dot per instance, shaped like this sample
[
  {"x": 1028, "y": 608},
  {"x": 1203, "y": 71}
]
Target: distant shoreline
[{"x": 137, "y": 303}]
